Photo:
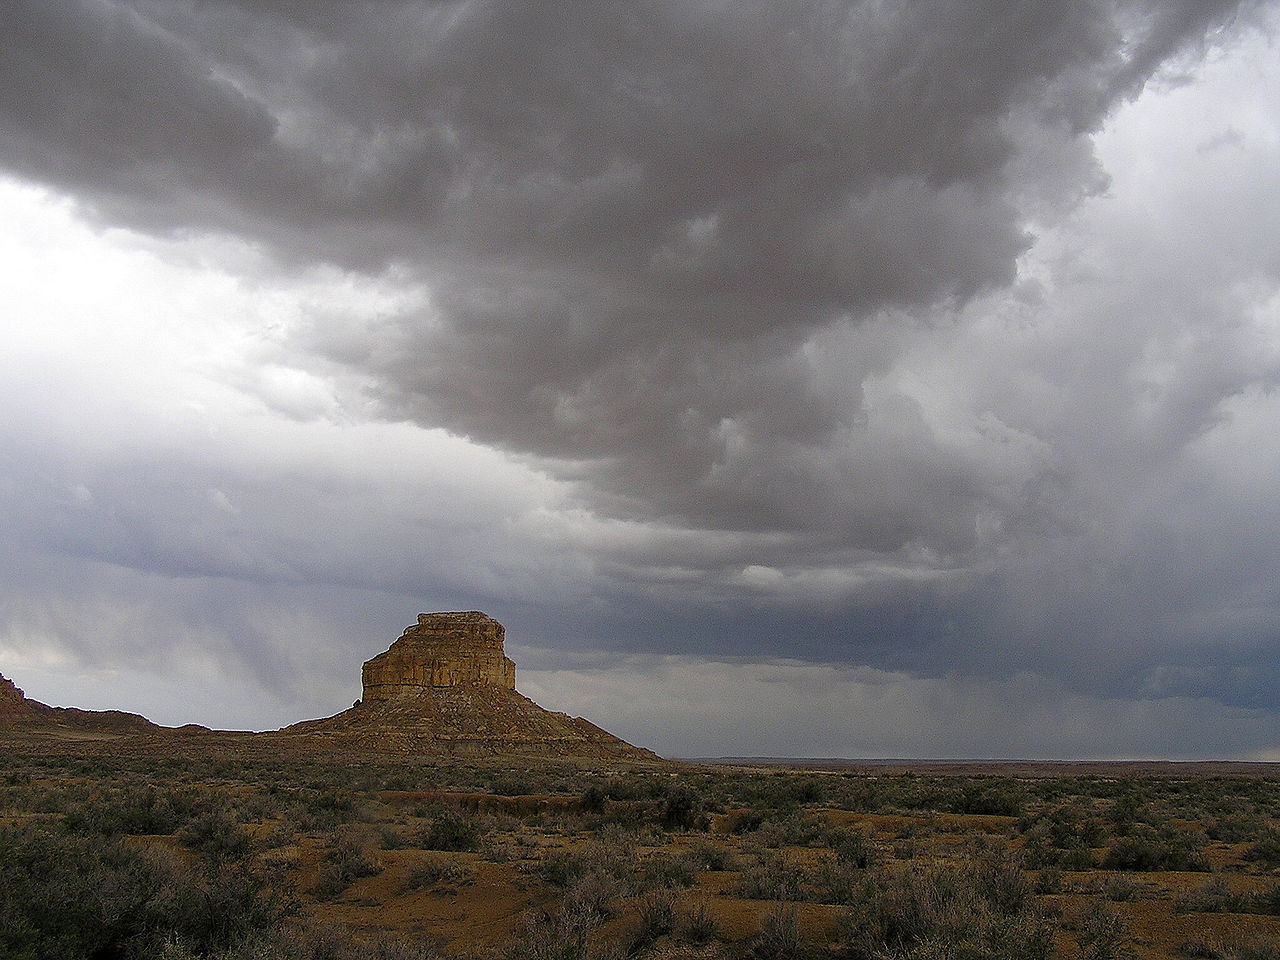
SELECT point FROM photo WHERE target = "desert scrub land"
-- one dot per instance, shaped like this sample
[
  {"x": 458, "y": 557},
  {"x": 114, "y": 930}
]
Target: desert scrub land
[{"x": 106, "y": 853}]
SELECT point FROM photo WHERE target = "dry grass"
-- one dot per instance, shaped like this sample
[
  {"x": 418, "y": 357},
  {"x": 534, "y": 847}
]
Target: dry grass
[{"x": 234, "y": 855}]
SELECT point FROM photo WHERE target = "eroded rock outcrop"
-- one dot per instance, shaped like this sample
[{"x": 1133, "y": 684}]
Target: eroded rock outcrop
[
  {"x": 447, "y": 687},
  {"x": 441, "y": 650},
  {"x": 13, "y": 703}
]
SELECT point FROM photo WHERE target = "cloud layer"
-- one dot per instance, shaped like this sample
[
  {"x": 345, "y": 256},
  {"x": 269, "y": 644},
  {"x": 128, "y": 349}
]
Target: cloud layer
[{"x": 931, "y": 340}]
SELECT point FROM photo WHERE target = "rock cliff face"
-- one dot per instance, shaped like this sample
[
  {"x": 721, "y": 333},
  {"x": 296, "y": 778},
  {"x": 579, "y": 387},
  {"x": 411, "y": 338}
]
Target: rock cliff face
[
  {"x": 446, "y": 687},
  {"x": 13, "y": 704},
  {"x": 441, "y": 650}
]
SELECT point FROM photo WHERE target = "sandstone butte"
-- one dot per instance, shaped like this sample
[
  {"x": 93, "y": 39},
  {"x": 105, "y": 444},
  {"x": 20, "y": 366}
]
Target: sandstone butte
[{"x": 447, "y": 687}]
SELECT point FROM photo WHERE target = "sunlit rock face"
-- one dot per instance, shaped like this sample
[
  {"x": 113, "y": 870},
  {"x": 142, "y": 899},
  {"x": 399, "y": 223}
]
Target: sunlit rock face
[{"x": 441, "y": 650}]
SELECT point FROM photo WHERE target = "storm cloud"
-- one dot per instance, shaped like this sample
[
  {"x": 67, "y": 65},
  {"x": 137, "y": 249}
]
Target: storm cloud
[{"x": 932, "y": 340}]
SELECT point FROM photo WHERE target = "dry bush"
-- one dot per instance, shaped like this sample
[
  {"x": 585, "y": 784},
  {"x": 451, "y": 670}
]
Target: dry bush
[
  {"x": 1103, "y": 934},
  {"x": 774, "y": 877},
  {"x": 902, "y": 913},
  {"x": 437, "y": 871},
  {"x": 349, "y": 858},
  {"x": 698, "y": 925},
  {"x": 779, "y": 936}
]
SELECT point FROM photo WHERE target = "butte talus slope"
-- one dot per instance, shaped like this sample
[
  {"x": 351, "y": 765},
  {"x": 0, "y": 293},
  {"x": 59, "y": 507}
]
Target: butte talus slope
[{"x": 446, "y": 687}]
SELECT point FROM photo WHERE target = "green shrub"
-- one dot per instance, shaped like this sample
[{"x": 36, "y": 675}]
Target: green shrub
[
  {"x": 837, "y": 881},
  {"x": 1266, "y": 850},
  {"x": 851, "y": 847},
  {"x": 132, "y": 811},
  {"x": 1146, "y": 849},
  {"x": 450, "y": 830},
  {"x": 683, "y": 809},
  {"x": 217, "y": 835},
  {"x": 68, "y": 897}
]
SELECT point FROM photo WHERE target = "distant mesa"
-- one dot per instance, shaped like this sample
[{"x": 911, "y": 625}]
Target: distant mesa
[{"x": 447, "y": 687}]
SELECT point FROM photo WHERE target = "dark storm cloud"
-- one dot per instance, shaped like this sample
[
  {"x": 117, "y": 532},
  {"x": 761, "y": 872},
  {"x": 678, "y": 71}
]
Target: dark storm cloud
[
  {"x": 633, "y": 217},
  {"x": 746, "y": 276}
]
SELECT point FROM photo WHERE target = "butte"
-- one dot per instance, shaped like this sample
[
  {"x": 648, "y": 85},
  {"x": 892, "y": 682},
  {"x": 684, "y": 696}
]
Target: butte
[{"x": 447, "y": 688}]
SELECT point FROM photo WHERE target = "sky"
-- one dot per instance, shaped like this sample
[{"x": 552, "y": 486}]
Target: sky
[{"x": 790, "y": 377}]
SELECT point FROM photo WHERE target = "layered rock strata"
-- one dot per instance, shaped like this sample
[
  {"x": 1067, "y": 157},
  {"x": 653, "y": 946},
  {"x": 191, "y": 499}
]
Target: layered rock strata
[
  {"x": 441, "y": 650},
  {"x": 447, "y": 687}
]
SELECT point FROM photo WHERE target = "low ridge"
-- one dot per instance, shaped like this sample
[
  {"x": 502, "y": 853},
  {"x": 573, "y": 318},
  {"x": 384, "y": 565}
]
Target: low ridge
[{"x": 18, "y": 711}]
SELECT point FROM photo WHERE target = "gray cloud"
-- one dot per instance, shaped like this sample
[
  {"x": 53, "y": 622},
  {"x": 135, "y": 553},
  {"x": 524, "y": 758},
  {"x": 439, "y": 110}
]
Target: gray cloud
[{"x": 812, "y": 321}]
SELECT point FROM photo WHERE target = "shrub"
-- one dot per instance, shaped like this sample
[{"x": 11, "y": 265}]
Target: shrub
[
  {"x": 1122, "y": 889},
  {"x": 217, "y": 835},
  {"x": 779, "y": 936},
  {"x": 590, "y": 895},
  {"x": 1267, "y": 901},
  {"x": 851, "y": 847},
  {"x": 998, "y": 879},
  {"x": 707, "y": 855},
  {"x": 655, "y": 917},
  {"x": 1235, "y": 826},
  {"x": 69, "y": 897},
  {"x": 347, "y": 860},
  {"x": 899, "y": 913},
  {"x": 773, "y": 878},
  {"x": 1049, "y": 881},
  {"x": 1213, "y": 896},
  {"x": 1266, "y": 850},
  {"x": 1104, "y": 935},
  {"x": 391, "y": 839},
  {"x": 563, "y": 935},
  {"x": 611, "y": 852},
  {"x": 682, "y": 809},
  {"x": 450, "y": 830},
  {"x": 663, "y": 871},
  {"x": 1261, "y": 949},
  {"x": 132, "y": 811},
  {"x": 593, "y": 799},
  {"x": 1146, "y": 850},
  {"x": 837, "y": 881},
  {"x": 698, "y": 925},
  {"x": 437, "y": 870}
]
